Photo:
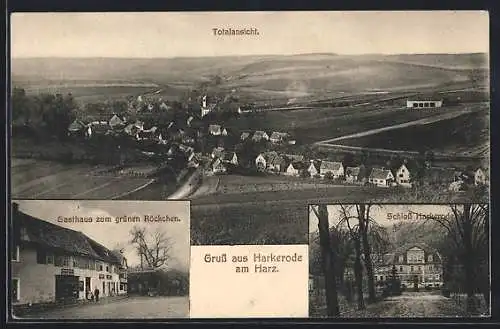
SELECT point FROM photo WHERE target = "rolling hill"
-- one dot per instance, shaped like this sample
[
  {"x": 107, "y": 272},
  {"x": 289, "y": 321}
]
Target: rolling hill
[{"x": 283, "y": 76}]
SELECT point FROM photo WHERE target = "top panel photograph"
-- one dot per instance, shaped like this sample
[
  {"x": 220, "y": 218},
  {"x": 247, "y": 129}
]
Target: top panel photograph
[{"x": 251, "y": 115}]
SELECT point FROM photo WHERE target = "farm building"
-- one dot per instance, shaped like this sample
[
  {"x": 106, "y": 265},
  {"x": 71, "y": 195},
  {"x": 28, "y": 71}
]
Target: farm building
[
  {"x": 335, "y": 168},
  {"x": 424, "y": 103},
  {"x": 381, "y": 177},
  {"x": 295, "y": 169},
  {"x": 52, "y": 263}
]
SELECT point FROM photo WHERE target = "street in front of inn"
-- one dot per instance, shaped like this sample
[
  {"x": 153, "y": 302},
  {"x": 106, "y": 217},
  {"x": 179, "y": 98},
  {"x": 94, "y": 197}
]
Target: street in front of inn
[{"x": 125, "y": 308}]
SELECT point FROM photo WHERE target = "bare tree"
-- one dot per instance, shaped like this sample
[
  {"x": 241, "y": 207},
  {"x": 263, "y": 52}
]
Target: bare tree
[
  {"x": 364, "y": 222},
  {"x": 153, "y": 248},
  {"x": 345, "y": 218},
  {"x": 468, "y": 229},
  {"x": 332, "y": 302}
]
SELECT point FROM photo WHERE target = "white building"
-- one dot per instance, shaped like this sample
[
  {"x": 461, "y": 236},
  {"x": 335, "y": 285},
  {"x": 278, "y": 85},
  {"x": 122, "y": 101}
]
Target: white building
[
  {"x": 51, "y": 263},
  {"x": 403, "y": 176},
  {"x": 424, "y": 103}
]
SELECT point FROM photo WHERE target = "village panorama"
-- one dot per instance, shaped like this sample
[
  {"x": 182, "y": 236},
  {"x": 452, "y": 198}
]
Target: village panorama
[{"x": 233, "y": 134}]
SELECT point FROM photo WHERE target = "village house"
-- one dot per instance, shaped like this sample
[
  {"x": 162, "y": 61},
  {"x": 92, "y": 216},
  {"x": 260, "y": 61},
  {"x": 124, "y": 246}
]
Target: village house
[
  {"x": 230, "y": 157},
  {"x": 224, "y": 132},
  {"x": 313, "y": 168},
  {"x": 164, "y": 107},
  {"x": 218, "y": 166},
  {"x": 355, "y": 174},
  {"x": 275, "y": 162},
  {"x": 381, "y": 177},
  {"x": 77, "y": 128},
  {"x": 217, "y": 152},
  {"x": 295, "y": 169},
  {"x": 261, "y": 162},
  {"x": 260, "y": 135},
  {"x": 52, "y": 263},
  {"x": 215, "y": 130},
  {"x": 278, "y": 137},
  {"x": 116, "y": 122},
  {"x": 97, "y": 128},
  {"x": 335, "y": 168},
  {"x": 403, "y": 176},
  {"x": 149, "y": 134},
  {"x": 481, "y": 177},
  {"x": 244, "y": 135}
]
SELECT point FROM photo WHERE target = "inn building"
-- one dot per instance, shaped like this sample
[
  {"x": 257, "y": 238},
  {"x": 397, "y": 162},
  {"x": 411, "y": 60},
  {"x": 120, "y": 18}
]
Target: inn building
[{"x": 51, "y": 263}]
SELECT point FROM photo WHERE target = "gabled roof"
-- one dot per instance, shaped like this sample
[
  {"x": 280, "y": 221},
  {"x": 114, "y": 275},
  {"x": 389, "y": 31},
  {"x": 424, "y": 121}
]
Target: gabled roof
[
  {"x": 76, "y": 125},
  {"x": 380, "y": 173},
  {"x": 115, "y": 120},
  {"x": 298, "y": 165},
  {"x": 259, "y": 134},
  {"x": 294, "y": 157},
  {"x": 352, "y": 171},
  {"x": 245, "y": 135},
  {"x": 274, "y": 158},
  {"x": 329, "y": 165},
  {"x": 278, "y": 135},
  {"x": 60, "y": 238},
  {"x": 218, "y": 151},
  {"x": 315, "y": 164},
  {"x": 215, "y": 129},
  {"x": 228, "y": 156}
]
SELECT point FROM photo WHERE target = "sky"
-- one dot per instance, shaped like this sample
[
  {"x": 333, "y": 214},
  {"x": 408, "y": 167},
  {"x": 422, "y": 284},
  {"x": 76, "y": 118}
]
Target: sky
[
  {"x": 385, "y": 215},
  {"x": 182, "y": 34},
  {"x": 112, "y": 234}
]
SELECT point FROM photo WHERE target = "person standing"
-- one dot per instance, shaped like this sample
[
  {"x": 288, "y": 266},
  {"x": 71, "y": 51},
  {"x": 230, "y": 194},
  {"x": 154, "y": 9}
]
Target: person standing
[{"x": 96, "y": 294}]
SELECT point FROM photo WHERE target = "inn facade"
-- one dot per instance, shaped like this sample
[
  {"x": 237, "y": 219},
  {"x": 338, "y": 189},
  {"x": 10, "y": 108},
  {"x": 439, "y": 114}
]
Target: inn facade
[{"x": 51, "y": 263}]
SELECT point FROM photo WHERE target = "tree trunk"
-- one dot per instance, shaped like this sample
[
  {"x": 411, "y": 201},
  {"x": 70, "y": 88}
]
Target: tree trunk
[
  {"x": 363, "y": 227},
  {"x": 358, "y": 274},
  {"x": 328, "y": 262},
  {"x": 468, "y": 259}
]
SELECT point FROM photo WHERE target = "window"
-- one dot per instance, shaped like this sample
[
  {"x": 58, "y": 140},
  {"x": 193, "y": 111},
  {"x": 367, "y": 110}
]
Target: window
[
  {"x": 415, "y": 104},
  {"x": 41, "y": 257},
  {"x": 420, "y": 268},
  {"x": 50, "y": 259},
  {"x": 401, "y": 269},
  {"x": 432, "y": 104},
  {"x": 401, "y": 175},
  {"x": 411, "y": 268},
  {"x": 401, "y": 259},
  {"x": 429, "y": 258},
  {"x": 100, "y": 267},
  {"x": 107, "y": 268},
  {"x": 15, "y": 254},
  {"x": 426, "y": 104},
  {"x": 16, "y": 285}
]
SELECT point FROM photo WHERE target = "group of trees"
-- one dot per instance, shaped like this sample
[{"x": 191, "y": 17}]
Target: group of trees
[
  {"x": 349, "y": 243},
  {"x": 47, "y": 114},
  {"x": 356, "y": 240}
]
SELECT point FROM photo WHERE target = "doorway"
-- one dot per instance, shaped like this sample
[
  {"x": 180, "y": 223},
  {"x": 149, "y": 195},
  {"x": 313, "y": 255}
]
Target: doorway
[{"x": 67, "y": 287}]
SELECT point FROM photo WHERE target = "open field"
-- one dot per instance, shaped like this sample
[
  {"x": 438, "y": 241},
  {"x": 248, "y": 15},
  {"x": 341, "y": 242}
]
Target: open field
[
  {"x": 463, "y": 134},
  {"x": 49, "y": 180}
]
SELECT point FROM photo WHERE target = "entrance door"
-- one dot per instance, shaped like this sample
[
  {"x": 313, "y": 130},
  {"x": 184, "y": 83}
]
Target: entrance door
[
  {"x": 87, "y": 287},
  {"x": 104, "y": 288},
  {"x": 67, "y": 287}
]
